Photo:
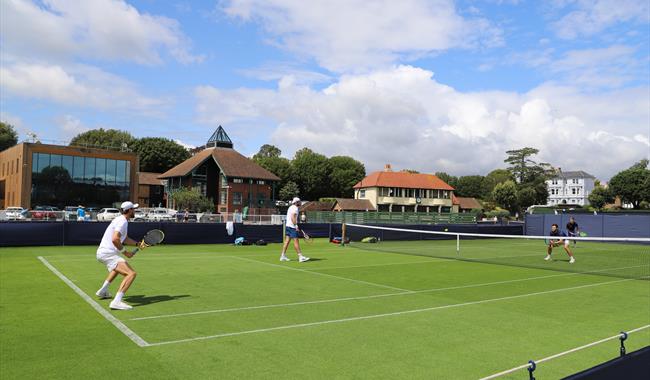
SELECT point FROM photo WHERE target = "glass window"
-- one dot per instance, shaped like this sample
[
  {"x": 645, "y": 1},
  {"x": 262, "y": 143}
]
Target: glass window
[
  {"x": 224, "y": 181},
  {"x": 78, "y": 174},
  {"x": 100, "y": 170},
  {"x": 111, "y": 166},
  {"x": 120, "y": 176},
  {"x": 55, "y": 160},
  {"x": 222, "y": 197},
  {"x": 362, "y": 193},
  {"x": 236, "y": 198},
  {"x": 238, "y": 180},
  {"x": 89, "y": 169},
  {"x": 34, "y": 164},
  {"x": 260, "y": 182},
  {"x": 128, "y": 173},
  {"x": 43, "y": 161},
  {"x": 67, "y": 163}
]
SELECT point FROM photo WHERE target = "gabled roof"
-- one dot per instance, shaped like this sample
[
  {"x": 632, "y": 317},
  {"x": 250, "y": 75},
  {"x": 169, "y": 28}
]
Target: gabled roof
[
  {"x": 317, "y": 206},
  {"x": 148, "y": 178},
  {"x": 348, "y": 204},
  {"x": 574, "y": 174},
  {"x": 468, "y": 203},
  {"x": 404, "y": 180},
  {"x": 231, "y": 163},
  {"x": 219, "y": 139}
]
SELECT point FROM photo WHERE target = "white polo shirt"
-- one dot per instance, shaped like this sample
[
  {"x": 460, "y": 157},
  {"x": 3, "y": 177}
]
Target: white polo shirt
[
  {"x": 106, "y": 247},
  {"x": 293, "y": 210}
]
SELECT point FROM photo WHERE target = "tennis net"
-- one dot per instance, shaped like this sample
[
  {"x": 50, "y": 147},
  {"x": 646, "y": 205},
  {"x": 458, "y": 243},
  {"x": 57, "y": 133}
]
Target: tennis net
[{"x": 610, "y": 256}]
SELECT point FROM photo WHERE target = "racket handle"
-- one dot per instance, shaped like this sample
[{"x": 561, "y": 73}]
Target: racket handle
[{"x": 135, "y": 251}]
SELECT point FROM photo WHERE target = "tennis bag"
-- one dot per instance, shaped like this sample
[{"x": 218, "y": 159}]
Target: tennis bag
[
  {"x": 369, "y": 239},
  {"x": 260, "y": 242},
  {"x": 242, "y": 241},
  {"x": 337, "y": 240}
]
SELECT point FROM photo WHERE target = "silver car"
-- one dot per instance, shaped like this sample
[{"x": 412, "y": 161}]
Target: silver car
[
  {"x": 107, "y": 214},
  {"x": 159, "y": 215},
  {"x": 16, "y": 213}
]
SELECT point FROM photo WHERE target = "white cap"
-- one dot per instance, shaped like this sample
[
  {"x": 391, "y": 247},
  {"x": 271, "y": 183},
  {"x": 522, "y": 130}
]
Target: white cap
[
  {"x": 295, "y": 200},
  {"x": 128, "y": 205}
]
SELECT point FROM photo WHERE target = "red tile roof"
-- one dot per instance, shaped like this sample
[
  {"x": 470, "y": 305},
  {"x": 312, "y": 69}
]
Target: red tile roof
[
  {"x": 404, "y": 180},
  {"x": 148, "y": 178},
  {"x": 231, "y": 162}
]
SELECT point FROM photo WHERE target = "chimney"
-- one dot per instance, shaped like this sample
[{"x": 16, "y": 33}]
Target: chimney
[{"x": 387, "y": 168}]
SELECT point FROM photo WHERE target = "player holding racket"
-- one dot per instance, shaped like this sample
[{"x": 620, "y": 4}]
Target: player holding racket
[
  {"x": 558, "y": 235},
  {"x": 572, "y": 229},
  {"x": 292, "y": 232},
  {"x": 113, "y": 243}
]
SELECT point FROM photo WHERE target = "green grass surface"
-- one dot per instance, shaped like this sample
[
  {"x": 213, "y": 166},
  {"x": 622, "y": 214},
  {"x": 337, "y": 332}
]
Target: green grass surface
[{"x": 218, "y": 311}]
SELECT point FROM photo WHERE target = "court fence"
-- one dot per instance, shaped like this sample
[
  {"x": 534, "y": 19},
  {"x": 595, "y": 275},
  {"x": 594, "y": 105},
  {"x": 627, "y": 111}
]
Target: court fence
[{"x": 375, "y": 217}]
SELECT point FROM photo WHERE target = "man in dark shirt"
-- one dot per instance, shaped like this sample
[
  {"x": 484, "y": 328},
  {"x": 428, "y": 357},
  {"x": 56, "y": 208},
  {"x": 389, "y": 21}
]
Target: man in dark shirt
[
  {"x": 572, "y": 229},
  {"x": 557, "y": 240}
]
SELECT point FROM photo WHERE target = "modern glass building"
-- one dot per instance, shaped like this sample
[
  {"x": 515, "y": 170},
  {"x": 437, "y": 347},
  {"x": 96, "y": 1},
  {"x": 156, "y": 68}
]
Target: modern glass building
[{"x": 40, "y": 174}]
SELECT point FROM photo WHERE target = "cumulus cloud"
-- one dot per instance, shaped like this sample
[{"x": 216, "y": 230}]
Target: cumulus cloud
[
  {"x": 76, "y": 85},
  {"x": 69, "y": 127},
  {"x": 344, "y": 35},
  {"x": 589, "y": 17},
  {"x": 405, "y": 117},
  {"x": 96, "y": 29}
]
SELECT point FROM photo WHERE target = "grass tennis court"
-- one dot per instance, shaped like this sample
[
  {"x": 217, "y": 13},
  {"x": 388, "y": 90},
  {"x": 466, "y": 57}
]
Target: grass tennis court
[{"x": 218, "y": 311}]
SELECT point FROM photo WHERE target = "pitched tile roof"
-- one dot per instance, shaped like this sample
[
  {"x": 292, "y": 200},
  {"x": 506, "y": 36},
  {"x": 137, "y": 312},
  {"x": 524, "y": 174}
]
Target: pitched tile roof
[
  {"x": 468, "y": 203},
  {"x": 355, "y": 204},
  {"x": 231, "y": 163},
  {"x": 317, "y": 206},
  {"x": 148, "y": 178},
  {"x": 574, "y": 174},
  {"x": 404, "y": 180}
]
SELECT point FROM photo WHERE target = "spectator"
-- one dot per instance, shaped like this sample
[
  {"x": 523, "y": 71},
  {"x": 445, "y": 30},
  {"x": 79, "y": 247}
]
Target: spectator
[
  {"x": 186, "y": 216},
  {"x": 81, "y": 213}
]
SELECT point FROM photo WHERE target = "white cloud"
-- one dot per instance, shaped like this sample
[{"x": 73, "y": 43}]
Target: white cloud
[
  {"x": 69, "y": 127},
  {"x": 590, "y": 17},
  {"x": 16, "y": 122},
  {"x": 353, "y": 35},
  {"x": 404, "y": 117},
  {"x": 96, "y": 29},
  {"x": 77, "y": 85},
  {"x": 184, "y": 145}
]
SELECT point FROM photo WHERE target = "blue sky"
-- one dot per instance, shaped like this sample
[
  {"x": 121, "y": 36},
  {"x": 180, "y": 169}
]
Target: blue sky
[{"x": 435, "y": 85}]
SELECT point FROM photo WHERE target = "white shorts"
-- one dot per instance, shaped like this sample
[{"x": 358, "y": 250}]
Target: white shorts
[{"x": 110, "y": 259}]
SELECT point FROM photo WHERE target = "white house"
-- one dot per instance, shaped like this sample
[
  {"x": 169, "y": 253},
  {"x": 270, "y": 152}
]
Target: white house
[{"x": 570, "y": 188}]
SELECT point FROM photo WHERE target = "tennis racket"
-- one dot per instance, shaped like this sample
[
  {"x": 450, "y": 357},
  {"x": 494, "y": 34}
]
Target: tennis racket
[
  {"x": 306, "y": 236},
  {"x": 583, "y": 234},
  {"x": 151, "y": 238}
]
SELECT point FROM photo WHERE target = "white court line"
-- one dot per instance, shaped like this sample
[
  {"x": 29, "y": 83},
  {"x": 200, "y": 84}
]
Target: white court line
[
  {"x": 562, "y": 354},
  {"x": 374, "y": 316},
  {"x": 368, "y": 297},
  {"x": 325, "y": 274},
  {"x": 117, "y": 323}
]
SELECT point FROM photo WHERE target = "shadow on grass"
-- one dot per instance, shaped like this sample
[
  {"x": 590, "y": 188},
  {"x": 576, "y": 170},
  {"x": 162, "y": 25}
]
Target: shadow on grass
[{"x": 141, "y": 299}]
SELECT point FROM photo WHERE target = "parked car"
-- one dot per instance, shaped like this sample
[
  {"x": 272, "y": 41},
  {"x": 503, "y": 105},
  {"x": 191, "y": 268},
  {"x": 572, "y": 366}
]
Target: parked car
[
  {"x": 191, "y": 216},
  {"x": 140, "y": 216},
  {"x": 159, "y": 215},
  {"x": 70, "y": 212},
  {"x": 107, "y": 214},
  {"x": 16, "y": 213},
  {"x": 45, "y": 212}
]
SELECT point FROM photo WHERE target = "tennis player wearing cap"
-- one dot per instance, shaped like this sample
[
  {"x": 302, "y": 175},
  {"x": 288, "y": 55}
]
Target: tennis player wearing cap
[
  {"x": 113, "y": 243},
  {"x": 291, "y": 231}
]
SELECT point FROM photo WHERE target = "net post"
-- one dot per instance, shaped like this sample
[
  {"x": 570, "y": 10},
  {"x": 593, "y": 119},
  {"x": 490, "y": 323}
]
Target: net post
[
  {"x": 623, "y": 337},
  {"x": 342, "y": 234},
  {"x": 531, "y": 368}
]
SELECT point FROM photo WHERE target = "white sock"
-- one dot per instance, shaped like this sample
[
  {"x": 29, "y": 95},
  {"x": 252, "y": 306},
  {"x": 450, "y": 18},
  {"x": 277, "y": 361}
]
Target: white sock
[
  {"x": 105, "y": 286},
  {"x": 284, "y": 254},
  {"x": 118, "y": 297}
]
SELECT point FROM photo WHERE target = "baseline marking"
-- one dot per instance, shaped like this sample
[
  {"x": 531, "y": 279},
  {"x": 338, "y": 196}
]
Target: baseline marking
[
  {"x": 561, "y": 354},
  {"x": 116, "y": 322},
  {"x": 331, "y": 300},
  {"x": 375, "y": 316},
  {"x": 324, "y": 274}
]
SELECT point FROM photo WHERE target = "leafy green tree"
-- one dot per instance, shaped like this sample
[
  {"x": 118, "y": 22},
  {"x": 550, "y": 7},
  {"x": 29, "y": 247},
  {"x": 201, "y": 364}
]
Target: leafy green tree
[
  {"x": 599, "y": 197},
  {"x": 269, "y": 158},
  {"x": 192, "y": 200},
  {"x": 103, "y": 138},
  {"x": 630, "y": 184},
  {"x": 493, "y": 178},
  {"x": 526, "y": 196},
  {"x": 448, "y": 179},
  {"x": 311, "y": 172},
  {"x": 8, "y": 136},
  {"x": 524, "y": 169},
  {"x": 159, "y": 154},
  {"x": 345, "y": 172},
  {"x": 505, "y": 195},
  {"x": 470, "y": 186},
  {"x": 289, "y": 190}
]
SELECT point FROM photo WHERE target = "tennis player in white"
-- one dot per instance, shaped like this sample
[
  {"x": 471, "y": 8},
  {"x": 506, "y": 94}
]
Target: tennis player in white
[
  {"x": 113, "y": 243},
  {"x": 292, "y": 232}
]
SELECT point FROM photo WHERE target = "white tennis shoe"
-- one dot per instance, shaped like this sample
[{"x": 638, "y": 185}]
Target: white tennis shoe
[
  {"x": 120, "y": 306},
  {"x": 573, "y": 260},
  {"x": 547, "y": 258},
  {"x": 302, "y": 259},
  {"x": 284, "y": 258},
  {"x": 103, "y": 295}
]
